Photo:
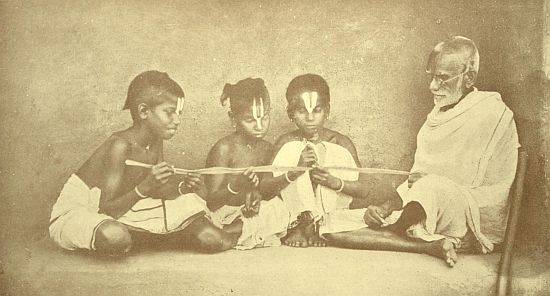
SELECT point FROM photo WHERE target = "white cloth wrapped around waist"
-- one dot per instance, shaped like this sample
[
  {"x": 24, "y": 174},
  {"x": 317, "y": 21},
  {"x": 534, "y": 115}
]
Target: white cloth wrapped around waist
[{"x": 262, "y": 230}]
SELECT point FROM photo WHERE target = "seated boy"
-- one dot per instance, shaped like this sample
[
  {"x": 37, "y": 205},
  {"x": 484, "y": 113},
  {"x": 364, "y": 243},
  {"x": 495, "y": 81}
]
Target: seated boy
[
  {"x": 319, "y": 200},
  {"x": 234, "y": 199},
  {"x": 106, "y": 203}
]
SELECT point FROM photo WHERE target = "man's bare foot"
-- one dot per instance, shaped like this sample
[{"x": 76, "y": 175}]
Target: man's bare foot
[
  {"x": 296, "y": 238},
  {"x": 443, "y": 249}
]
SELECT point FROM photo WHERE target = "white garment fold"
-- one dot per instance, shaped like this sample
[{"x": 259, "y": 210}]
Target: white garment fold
[
  {"x": 470, "y": 155},
  {"x": 300, "y": 195}
]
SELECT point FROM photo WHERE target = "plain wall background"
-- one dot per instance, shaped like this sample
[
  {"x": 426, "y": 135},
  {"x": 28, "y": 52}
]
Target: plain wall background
[{"x": 65, "y": 69}]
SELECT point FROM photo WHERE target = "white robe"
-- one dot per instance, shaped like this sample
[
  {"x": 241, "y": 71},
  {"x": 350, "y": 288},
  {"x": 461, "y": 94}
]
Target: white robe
[{"x": 470, "y": 154}]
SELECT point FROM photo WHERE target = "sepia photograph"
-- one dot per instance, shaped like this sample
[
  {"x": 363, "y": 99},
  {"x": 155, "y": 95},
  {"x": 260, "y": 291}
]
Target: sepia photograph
[{"x": 350, "y": 147}]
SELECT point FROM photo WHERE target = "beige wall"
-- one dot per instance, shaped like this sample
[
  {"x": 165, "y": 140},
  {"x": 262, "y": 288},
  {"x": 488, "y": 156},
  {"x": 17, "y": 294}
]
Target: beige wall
[{"x": 66, "y": 67}]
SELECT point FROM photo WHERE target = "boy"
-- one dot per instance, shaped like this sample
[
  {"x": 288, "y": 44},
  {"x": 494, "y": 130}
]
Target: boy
[
  {"x": 106, "y": 203},
  {"x": 234, "y": 199},
  {"x": 320, "y": 201}
]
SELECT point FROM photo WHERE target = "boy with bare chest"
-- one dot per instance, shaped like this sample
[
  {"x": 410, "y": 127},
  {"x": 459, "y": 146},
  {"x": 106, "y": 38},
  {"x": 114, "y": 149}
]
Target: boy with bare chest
[{"x": 106, "y": 203}]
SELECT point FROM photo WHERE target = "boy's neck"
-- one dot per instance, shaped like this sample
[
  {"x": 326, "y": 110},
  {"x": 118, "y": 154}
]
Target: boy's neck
[
  {"x": 142, "y": 136},
  {"x": 246, "y": 140},
  {"x": 316, "y": 138}
]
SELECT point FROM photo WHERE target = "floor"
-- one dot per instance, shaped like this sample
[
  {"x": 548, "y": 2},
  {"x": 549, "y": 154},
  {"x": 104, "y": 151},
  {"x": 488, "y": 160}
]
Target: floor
[{"x": 40, "y": 268}]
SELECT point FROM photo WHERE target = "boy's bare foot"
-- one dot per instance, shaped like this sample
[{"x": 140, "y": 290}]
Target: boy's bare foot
[
  {"x": 313, "y": 238},
  {"x": 296, "y": 238},
  {"x": 443, "y": 249},
  {"x": 316, "y": 241}
]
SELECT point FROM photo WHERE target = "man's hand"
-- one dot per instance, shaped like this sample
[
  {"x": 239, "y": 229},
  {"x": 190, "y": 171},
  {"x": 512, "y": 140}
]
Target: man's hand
[
  {"x": 252, "y": 204},
  {"x": 415, "y": 176},
  {"x": 375, "y": 215}
]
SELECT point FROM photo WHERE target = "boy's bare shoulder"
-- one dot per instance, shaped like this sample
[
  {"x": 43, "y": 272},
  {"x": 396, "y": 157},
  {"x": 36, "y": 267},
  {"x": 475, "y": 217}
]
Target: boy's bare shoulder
[
  {"x": 224, "y": 145},
  {"x": 117, "y": 142},
  {"x": 220, "y": 150},
  {"x": 112, "y": 152},
  {"x": 285, "y": 138},
  {"x": 339, "y": 139}
]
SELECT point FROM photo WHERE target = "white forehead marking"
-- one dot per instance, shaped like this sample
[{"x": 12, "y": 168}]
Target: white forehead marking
[
  {"x": 258, "y": 113},
  {"x": 310, "y": 100},
  {"x": 179, "y": 105}
]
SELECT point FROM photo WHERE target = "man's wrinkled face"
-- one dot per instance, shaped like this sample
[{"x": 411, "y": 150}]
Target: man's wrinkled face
[{"x": 447, "y": 79}]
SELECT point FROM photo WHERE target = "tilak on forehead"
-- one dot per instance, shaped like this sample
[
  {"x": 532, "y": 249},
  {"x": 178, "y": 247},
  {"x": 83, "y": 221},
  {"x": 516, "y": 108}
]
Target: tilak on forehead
[
  {"x": 179, "y": 105},
  {"x": 310, "y": 100},
  {"x": 258, "y": 111}
]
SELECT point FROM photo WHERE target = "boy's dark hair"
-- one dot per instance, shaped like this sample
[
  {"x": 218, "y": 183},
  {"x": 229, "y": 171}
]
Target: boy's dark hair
[
  {"x": 242, "y": 93},
  {"x": 303, "y": 83},
  {"x": 307, "y": 82},
  {"x": 147, "y": 88}
]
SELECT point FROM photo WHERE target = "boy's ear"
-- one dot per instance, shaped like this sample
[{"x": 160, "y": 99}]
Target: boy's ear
[
  {"x": 143, "y": 111},
  {"x": 290, "y": 113},
  {"x": 327, "y": 112},
  {"x": 232, "y": 118}
]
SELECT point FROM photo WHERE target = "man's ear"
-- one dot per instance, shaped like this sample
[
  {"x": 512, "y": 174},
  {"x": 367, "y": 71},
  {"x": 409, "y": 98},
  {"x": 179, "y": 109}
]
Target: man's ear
[
  {"x": 143, "y": 111},
  {"x": 470, "y": 79}
]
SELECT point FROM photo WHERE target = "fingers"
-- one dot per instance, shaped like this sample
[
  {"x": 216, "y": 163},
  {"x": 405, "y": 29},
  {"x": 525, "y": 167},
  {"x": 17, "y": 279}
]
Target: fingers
[
  {"x": 415, "y": 176},
  {"x": 251, "y": 177},
  {"x": 320, "y": 176},
  {"x": 192, "y": 181},
  {"x": 308, "y": 156},
  {"x": 372, "y": 219}
]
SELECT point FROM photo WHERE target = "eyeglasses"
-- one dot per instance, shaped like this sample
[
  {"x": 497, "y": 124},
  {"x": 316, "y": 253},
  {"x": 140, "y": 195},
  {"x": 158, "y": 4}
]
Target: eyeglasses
[{"x": 440, "y": 79}]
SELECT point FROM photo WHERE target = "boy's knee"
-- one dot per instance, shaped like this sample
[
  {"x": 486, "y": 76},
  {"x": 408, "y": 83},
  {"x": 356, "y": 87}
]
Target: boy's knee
[
  {"x": 113, "y": 238},
  {"x": 210, "y": 240}
]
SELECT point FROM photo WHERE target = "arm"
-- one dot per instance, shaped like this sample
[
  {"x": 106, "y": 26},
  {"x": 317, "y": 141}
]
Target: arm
[
  {"x": 271, "y": 186},
  {"x": 224, "y": 189},
  {"x": 113, "y": 201},
  {"x": 355, "y": 189}
]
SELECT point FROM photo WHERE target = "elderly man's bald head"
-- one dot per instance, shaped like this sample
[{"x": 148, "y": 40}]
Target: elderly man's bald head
[{"x": 461, "y": 48}]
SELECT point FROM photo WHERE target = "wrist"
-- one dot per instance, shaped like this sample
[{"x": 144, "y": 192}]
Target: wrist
[
  {"x": 181, "y": 189},
  {"x": 231, "y": 190},
  {"x": 140, "y": 193},
  {"x": 291, "y": 176},
  {"x": 339, "y": 185},
  {"x": 288, "y": 178}
]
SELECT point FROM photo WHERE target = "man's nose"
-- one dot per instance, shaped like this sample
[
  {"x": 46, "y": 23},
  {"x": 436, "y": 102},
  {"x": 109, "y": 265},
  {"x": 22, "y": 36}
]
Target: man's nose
[
  {"x": 309, "y": 116},
  {"x": 434, "y": 85}
]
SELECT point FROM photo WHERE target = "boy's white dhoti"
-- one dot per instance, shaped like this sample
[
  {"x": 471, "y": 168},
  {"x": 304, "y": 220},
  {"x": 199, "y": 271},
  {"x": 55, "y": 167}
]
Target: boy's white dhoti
[
  {"x": 75, "y": 216},
  {"x": 263, "y": 230},
  {"x": 326, "y": 205}
]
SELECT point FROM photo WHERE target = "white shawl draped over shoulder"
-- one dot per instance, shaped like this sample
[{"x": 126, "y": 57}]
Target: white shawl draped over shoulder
[
  {"x": 299, "y": 195},
  {"x": 474, "y": 145}
]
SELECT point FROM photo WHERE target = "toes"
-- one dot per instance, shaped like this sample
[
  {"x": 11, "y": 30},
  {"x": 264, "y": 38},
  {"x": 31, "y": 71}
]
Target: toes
[{"x": 451, "y": 262}]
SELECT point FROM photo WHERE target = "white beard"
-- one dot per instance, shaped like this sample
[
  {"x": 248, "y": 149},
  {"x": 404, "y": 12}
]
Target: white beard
[{"x": 447, "y": 100}]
